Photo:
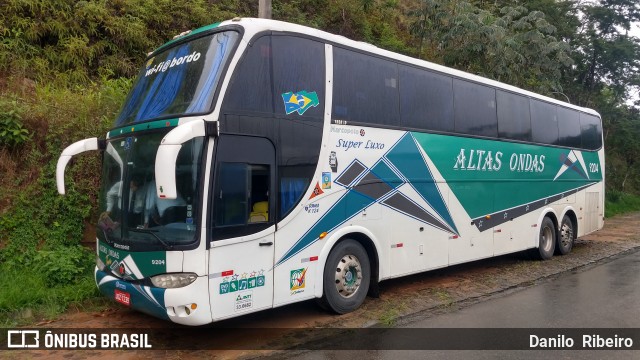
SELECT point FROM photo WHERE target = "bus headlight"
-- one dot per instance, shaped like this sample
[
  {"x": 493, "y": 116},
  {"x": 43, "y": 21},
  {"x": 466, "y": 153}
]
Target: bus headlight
[{"x": 170, "y": 281}]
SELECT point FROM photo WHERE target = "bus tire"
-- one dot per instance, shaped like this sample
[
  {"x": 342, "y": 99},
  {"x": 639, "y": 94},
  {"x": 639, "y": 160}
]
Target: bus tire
[
  {"x": 566, "y": 236},
  {"x": 346, "y": 277},
  {"x": 546, "y": 240}
]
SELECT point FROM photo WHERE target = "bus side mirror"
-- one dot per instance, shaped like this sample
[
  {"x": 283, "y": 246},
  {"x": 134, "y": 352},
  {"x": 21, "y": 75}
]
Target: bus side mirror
[
  {"x": 71, "y": 150},
  {"x": 168, "y": 153}
]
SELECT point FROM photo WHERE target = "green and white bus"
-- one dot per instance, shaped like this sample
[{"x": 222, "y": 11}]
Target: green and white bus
[{"x": 258, "y": 163}]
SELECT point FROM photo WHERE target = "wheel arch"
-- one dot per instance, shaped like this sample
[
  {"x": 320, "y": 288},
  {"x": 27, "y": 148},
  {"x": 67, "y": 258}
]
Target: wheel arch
[
  {"x": 362, "y": 236},
  {"x": 548, "y": 212}
]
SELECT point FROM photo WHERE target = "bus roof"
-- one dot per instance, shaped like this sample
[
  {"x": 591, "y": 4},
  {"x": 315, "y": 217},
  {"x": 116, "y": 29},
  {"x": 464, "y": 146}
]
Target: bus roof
[{"x": 253, "y": 26}]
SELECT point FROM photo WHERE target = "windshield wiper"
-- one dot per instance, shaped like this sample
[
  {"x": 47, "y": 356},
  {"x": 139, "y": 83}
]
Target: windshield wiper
[{"x": 152, "y": 233}]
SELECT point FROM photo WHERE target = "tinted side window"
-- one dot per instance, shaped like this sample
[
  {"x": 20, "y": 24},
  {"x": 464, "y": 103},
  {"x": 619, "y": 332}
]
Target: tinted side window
[
  {"x": 299, "y": 151},
  {"x": 426, "y": 99},
  {"x": 544, "y": 122},
  {"x": 514, "y": 117},
  {"x": 365, "y": 88},
  {"x": 474, "y": 109},
  {"x": 298, "y": 71},
  {"x": 591, "y": 127},
  {"x": 242, "y": 194},
  {"x": 242, "y": 197},
  {"x": 231, "y": 196},
  {"x": 288, "y": 110},
  {"x": 569, "y": 131},
  {"x": 298, "y": 76},
  {"x": 250, "y": 88}
]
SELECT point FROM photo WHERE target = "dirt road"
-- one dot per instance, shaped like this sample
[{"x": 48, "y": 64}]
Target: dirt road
[{"x": 430, "y": 292}]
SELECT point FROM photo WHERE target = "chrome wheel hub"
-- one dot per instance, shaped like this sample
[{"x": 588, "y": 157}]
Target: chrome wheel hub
[
  {"x": 348, "y": 275},
  {"x": 566, "y": 234}
]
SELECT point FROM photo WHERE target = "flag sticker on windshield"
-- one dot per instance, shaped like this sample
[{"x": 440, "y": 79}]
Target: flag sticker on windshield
[{"x": 300, "y": 101}]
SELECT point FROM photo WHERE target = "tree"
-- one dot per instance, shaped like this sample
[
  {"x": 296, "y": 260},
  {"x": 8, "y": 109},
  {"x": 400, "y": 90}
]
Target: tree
[
  {"x": 604, "y": 54},
  {"x": 84, "y": 40},
  {"x": 513, "y": 45}
]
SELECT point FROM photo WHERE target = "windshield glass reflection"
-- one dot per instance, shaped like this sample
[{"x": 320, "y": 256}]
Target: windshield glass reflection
[{"x": 131, "y": 214}]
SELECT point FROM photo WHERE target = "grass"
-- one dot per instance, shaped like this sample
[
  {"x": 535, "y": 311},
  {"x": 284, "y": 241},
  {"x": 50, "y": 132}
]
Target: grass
[
  {"x": 618, "y": 203},
  {"x": 28, "y": 298},
  {"x": 444, "y": 297},
  {"x": 390, "y": 312}
]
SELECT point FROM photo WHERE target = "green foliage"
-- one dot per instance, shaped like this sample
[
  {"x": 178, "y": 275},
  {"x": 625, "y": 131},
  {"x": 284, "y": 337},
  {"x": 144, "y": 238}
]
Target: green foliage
[
  {"x": 82, "y": 40},
  {"x": 12, "y": 132},
  {"x": 27, "y": 294},
  {"x": 41, "y": 233},
  {"x": 511, "y": 44},
  {"x": 380, "y": 23},
  {"x": 618, "y": 203},
  {"x": 41, "y": 219},
  {"x": 63, "y": 265},
  {"x": 606, "y": 57}
]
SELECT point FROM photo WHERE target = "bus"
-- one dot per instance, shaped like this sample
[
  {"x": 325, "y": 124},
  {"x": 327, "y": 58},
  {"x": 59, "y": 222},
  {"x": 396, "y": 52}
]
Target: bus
[{"x": 257, "y": 163}]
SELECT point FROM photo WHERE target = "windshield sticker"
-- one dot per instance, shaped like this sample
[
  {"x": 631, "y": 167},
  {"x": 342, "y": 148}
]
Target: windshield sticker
[
  {"x": 300, "y": 101},
  {"x": 176, "y": 61}
]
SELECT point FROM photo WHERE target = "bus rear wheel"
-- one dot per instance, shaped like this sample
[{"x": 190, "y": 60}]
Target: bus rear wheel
[
  {"x": 546, "y": 240},
  {"x": 566, "y": 236},
  {"x": 346, "y": 277}
]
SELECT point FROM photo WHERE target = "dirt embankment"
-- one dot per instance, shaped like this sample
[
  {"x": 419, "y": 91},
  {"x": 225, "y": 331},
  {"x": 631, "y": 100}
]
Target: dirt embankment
[{"x": 425, "y": 293}]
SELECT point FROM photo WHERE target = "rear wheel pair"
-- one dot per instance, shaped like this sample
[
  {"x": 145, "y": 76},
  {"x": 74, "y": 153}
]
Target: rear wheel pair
[{"x": 550, "y": 240}]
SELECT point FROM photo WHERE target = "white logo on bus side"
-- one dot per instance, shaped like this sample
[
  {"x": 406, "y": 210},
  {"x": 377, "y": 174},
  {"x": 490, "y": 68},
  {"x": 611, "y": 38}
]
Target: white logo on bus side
[{"x": 483, "y": 160}]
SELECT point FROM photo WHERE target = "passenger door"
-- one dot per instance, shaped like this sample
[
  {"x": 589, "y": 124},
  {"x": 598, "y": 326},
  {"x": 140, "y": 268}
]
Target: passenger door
[{"x": 242, "y": 226}]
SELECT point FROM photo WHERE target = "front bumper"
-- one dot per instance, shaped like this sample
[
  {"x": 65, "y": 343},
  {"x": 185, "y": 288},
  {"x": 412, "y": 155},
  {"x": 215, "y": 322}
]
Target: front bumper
[{"x": 187, "y": 305}]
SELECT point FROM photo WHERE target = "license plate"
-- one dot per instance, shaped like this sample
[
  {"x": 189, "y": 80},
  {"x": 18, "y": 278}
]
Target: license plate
[{"x": 123, "y": 297}]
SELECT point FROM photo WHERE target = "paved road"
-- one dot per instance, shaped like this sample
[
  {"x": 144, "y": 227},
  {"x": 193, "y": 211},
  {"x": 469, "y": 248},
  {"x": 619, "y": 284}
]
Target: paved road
[{"x": 604, "y": 296}]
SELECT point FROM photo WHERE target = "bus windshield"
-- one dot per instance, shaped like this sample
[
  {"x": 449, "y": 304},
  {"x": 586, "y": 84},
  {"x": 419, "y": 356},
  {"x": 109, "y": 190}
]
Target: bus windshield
[
  {"x": 180, "y": 80},
  {"x": 131, "y": 214}
]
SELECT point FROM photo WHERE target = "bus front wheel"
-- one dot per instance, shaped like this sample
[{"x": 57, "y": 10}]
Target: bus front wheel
[
  {"x": 346, "y": 277},
  {"x": 546, "y": 240}
]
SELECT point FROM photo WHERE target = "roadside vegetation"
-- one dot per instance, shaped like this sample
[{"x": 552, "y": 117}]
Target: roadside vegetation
[
  {"x": 66, "y": 66},
  {"x": 620, "y": 203}
]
